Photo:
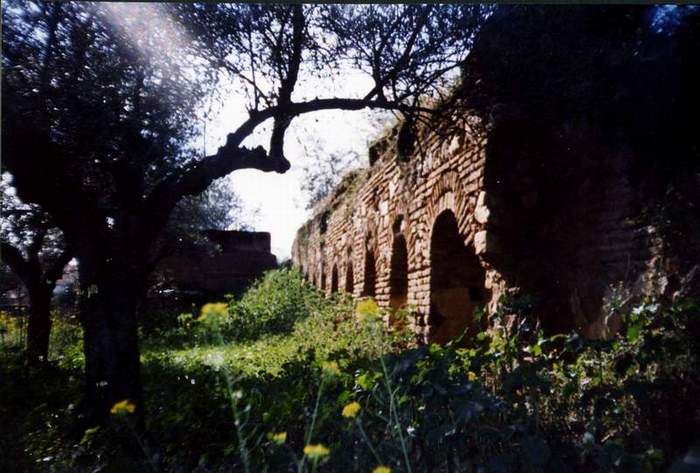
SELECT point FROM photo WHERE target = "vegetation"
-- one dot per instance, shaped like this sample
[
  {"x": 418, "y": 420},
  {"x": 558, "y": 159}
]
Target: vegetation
[
  {"x": 106, "y": 101},
  {"x": 287, "y": 380},
  {"x": 102, "y": 106},
  {"x": 34, "y": 249}
]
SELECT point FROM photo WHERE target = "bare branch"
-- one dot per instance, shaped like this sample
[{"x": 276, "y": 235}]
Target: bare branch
[
  {"x": 403, "y": 60},
  {"x": 13, "y": 258},
  {"x": 283, "y": 119},
  {"x": 55, "y": 270}
]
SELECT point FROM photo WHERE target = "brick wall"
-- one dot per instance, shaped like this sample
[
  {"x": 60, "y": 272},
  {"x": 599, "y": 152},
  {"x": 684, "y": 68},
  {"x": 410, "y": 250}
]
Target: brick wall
[
  {"x": 544, "y": 209},
  {"x": 575, "y": 180},
  {"x": 397, "y": 200}
]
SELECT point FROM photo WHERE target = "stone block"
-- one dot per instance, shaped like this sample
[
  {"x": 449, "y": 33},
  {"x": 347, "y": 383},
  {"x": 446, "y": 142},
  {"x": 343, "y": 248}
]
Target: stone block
[
  {"x": 482, "y": 212},
  {"x": 485, "y": 243}
]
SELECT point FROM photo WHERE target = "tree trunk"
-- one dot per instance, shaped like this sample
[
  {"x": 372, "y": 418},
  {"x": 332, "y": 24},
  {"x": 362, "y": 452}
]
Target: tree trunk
[
  {"x": 39, "y": 325},
  {"x": 110, "y": 296}
]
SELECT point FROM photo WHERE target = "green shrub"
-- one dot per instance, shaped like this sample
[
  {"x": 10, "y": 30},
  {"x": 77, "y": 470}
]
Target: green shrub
[
  {"x": 605, "y": 405},
  {"x": 250, "y": 385},
  {"x": 273, "y": 305}
]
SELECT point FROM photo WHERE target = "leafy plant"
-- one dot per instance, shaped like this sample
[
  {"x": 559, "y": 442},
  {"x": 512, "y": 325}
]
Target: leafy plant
[{"x": 337, "y": 390}]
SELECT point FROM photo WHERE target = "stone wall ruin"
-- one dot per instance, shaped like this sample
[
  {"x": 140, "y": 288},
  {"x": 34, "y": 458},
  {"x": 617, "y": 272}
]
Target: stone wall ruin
[{"x": 569, "y": 195}]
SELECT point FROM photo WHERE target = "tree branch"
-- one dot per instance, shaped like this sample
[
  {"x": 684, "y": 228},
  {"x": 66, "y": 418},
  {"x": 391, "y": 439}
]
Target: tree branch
[
  {"x": 55, "y": 270},
  {"x": 403, "y": 60},
  {"x": 196, "y": 177},
  {"x": 283, "y": 119},
  {"x": 13, "y": 258}
]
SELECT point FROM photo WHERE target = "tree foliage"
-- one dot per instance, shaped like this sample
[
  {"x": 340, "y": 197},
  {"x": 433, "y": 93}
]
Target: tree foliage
[
  {"x": 104, "y": 99},
  {"x": 35, "y": 250}
]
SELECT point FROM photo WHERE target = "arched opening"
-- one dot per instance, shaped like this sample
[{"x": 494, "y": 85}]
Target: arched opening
[
  {"x": 323, "y": 280},
  {"x": 349, "y": 278},
  {"x": 334, "y": 279},
  {"x": 323, "y": 224},
  {"x": 368, "y": 287},
  {"x": 456, "y": 281},
  {"x": 398, "y": 278}
]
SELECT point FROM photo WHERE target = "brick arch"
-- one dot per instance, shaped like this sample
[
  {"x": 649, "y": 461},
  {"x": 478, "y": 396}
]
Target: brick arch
[
  {"x": 370, "y": 241},
  {"x": 370, "y": 259},
  {"x": 401, "y": 208},
  {"x": 369, "y": 275},
  {"x": 334, "y": 278},
  {"x": 399, "y": 268},
  {"x": 348, "y": 269},
  {"x": 448, "y": 194},
  {"x": 457, "y": 280},
  {"x": 349, "y": 278}
]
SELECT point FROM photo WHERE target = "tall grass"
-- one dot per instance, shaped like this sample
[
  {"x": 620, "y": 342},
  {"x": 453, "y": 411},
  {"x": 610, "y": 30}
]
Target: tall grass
[{"x": 264, "y": 384}]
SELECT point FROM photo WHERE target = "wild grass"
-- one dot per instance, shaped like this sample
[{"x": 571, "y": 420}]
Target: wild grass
[{"x": 287, "y": 380}]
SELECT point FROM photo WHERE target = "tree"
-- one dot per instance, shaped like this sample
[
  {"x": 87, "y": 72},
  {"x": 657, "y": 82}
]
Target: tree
[
  {"x": 35, "y": 251},
  {"x": 217, "y": 208},
  {"x": 90, "y": 119},
  {"x": 114, "y": 123},
  {"x": 321, "y": 177}
]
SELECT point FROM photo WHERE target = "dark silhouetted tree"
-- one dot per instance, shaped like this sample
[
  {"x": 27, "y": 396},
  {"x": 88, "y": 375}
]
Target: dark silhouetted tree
[
  {"x": 100, "y": 106},
  {"x": 34, "y": 250}
]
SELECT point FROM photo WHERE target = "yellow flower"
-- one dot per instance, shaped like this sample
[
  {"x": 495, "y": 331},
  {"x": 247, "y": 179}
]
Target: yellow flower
[
  {"x": 382, "y": 469},
  {"x": 471, "y": 376},
  {"x": 123, "y": 407},
  {"x": 217, "y": 309},
  {"x": 331, "y": 368},
  {"x": 366, "y": 310},
  {"x": 316, "y": 452},
  {"x": 351, "y": 410},
  {"x": 279, "y": 438}
]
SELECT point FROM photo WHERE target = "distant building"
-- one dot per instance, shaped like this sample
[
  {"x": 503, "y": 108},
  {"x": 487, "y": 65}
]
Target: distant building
[{"x": 232, "y": 261}]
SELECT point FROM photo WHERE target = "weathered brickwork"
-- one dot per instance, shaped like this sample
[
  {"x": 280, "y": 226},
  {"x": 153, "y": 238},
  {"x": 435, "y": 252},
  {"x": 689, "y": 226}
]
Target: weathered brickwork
[
  {"x": 564, "y": 179},
  {"x": 473, "y": 213},
  {"x": 243, "y": 257},
  {"x": 390, "y": 210}
]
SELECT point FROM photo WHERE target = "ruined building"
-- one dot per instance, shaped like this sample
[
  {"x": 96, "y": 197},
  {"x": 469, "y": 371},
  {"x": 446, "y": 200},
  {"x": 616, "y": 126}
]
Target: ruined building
[
  {"x": 574, "y": 180},
  {"x": 238, "y": 259}
]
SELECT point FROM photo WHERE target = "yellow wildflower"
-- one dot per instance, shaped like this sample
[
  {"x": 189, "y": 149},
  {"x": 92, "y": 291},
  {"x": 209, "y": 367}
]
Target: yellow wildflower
[
  {"x": 366, "y": 310},
  {"x": 316, "y": 452},
  {"x": 279, "y": 438},
  {"x": 351, "y": 410},
  {"x": 471, "y": 376},
  {"x": 123, "y": 407},
  {"x": 382, "y": 469},
  {"x": 331, "y": 368},
  {"x": 217, "y": 309}
]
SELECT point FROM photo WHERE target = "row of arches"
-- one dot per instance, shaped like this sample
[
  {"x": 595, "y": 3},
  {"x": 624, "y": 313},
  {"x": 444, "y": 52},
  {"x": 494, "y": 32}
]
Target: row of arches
[
  {"x": 457, "y": 279},
  {"x": 349, "y": 279}
]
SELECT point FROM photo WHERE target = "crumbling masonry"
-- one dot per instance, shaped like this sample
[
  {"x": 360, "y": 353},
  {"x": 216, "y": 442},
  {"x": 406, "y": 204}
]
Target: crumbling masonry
[
  {"x": 459, "y": 215},
  {"x": 561, "y": 179},
  {"x": 406, "y": 225}
]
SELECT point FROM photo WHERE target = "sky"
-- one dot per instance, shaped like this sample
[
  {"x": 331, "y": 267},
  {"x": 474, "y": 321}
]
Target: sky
[
  {"x": 275, "y": 202},
  {"x": 271, "y": 202}
]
